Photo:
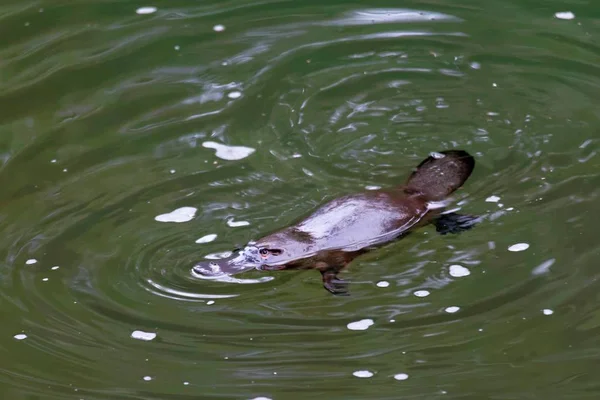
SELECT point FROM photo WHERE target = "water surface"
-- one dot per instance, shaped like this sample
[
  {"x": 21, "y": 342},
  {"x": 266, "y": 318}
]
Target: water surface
[{"x": 111, "y": 116}]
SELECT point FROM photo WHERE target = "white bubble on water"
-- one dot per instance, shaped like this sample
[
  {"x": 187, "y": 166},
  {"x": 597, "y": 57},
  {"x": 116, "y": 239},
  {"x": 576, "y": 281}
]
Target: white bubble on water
[
  {"x": 383, "y": 284},
  {"x": 210, "y": 302},
  {"x": 452, "y": 309},
  {"x": 45, "y": 279},
  {"x": 401, "y": 377},
  {"x": 519, "y": 247},
  {"x": 234, "y": 95},
  {"x": 493, "y": 199},
  {"x": 31, "y": 261},
  {"x": 459, "y": 271},
  {"x": 372, "y": 187},
  {"x": 146, "y": 10},
  {"x": 421, "y": 293},
  {"x": 183, "y": 214},
  {"x": 207, "y": 238},
  {"x": 141, "y": 335},
  {"x": 230, "y": 153},
  {"x": 219, "y": 28},
  {"x": 361, "y": 325},
  {"x": 20, "y": 336},
  {"x": 261, "y": 398},
  {"x": 547, "y": 311},
  {"x": 147, "y": 378},
  {"x": 186, "y": 383},
  {"x": 55, "y": 268},
  {"x": 235, "y": 224},
  {"x": 363, "y": 373},
  {"x": 564, "y": 15}
]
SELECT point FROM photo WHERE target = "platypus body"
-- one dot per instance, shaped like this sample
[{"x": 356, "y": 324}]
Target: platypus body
[{"x": 344, "y": 228}]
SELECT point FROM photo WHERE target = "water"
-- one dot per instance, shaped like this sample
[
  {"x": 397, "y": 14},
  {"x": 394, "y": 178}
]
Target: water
[{"x": 105, "y": 115}]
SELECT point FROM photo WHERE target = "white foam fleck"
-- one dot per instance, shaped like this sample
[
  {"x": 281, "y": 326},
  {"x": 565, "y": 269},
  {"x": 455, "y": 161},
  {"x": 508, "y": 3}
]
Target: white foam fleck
[
  {"x": 361, "y": 325},
  {"x": 421, "y": 293},
  {"x": 225, "y": 152},
  {"x": 459, "y": 271},
  {"x": 172, "y": 171},
  {"x": 55, "y": 268},
  {"x": 53, "y": 161},
  {"x": 45, "y": 279},
  {"x": 234, "y": 95},
  {"x": 564, "y": 15},
  {"x": 493, "y": 199},
  {"x": 383, "y": 284},
  {"x": 543, "y": 267},
  {"x": 145, "y": 10},
  {"x": 362, "y": 373},
  {"x": 147, "y": 378},
  {"x": 452, "y": 309},
  {"x": 219, "y": 28},
  {"x": 235, "y": 224},
  {"x": 207, "y": 238},
  {"x": 141, "y": 335},
  {"x": 183, "y": 214},
  {"x": 401, "y": 377},
  {"x": 177, "y": 49},
  {"x": 186, "y": 383},
  {"x": 31, "y": 261},
  {"x": 20, "y": 336},
  {"x": 210, "y": 302},
  {"x": 261, "y": 398},
  {"x": 475, "y": 65},
  {"x": 518, "y": 247},
  {"x": 547, "y": 311},
  {"x": 372, "y": 187}
]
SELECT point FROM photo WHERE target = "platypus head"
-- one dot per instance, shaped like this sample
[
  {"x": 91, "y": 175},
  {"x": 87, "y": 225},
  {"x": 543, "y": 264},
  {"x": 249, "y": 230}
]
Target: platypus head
[{"x": 252, "y": 256}]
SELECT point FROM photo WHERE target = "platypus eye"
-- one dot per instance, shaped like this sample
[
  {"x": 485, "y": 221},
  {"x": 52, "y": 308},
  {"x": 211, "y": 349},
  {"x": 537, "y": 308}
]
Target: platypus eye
[{"x": 263, "y": 252}]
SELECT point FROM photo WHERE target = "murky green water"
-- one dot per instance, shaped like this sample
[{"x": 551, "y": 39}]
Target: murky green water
[{"x": 105, "y": 115}]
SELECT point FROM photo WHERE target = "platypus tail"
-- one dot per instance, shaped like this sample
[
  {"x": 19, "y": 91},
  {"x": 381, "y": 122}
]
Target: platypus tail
[{"x": 440, "y": 174}]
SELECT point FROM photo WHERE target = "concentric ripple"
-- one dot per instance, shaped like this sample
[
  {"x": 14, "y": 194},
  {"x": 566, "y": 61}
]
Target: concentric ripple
[{"x": 131, "y": 131}]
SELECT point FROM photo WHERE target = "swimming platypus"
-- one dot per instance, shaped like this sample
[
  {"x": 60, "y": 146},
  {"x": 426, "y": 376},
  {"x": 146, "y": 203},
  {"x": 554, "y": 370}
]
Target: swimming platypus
[{"x": 344, "y": 228}]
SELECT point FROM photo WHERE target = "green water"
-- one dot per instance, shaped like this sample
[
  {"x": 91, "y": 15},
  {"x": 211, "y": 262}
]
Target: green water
[{"x": 104, "y": 114}]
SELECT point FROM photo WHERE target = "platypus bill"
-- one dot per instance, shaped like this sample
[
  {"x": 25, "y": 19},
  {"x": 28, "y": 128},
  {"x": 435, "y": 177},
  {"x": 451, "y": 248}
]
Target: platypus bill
[{"x": 344, "y": 228}]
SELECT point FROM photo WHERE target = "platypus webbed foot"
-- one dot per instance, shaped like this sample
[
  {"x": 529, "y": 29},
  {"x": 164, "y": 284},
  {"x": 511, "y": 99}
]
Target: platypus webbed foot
[
  {"x": 335, "y": 285},
  {"x": 455, "y": 223}
]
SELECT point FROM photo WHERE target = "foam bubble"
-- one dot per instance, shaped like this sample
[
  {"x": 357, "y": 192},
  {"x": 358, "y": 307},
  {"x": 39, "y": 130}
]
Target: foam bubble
[
  {"x": 145, "y": 10},
  {"x": 210, "y": 302},
  {"x": 459, "y": 271},
  {"x": 219, "y": 28},
  {"x": 207, "y": 239},
  {"x": 452, "y": 309},
  {"x": 234, "y": 95},
  {"x": 147, "y": 378},
  {"x": 519, "y": 247},
  {"x": 361, "y": 325},
  {"x": 372, "y": 187},
  {"x": 363, "y": 374},
  {"x": 225, "y": 152},
  {"x": 383, "y": 284},
  {"x": 55, "y": 268},
  {"x": 401, "y": 377},
  {"x": 31, "y": 261},
  {"x": 261, "y": 398},
  {"x": 547, "y": 311},
  {"x": 493, "y": 199},
  {"x": 183, "y": 214},
  {"x": 235, "y": 224},
  {"x": 564, "y": 15},
  {"x": 421, "y": 293},
  {"x": 141, "y": 335},
  {"x": 20, "y": 336}
]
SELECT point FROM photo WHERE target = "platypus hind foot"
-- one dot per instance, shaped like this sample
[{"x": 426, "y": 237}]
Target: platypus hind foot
[{"x": 455, "y": 223}]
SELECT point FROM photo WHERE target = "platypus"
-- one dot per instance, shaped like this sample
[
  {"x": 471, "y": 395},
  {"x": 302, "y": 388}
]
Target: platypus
[{"x": 344, "y": 228}]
